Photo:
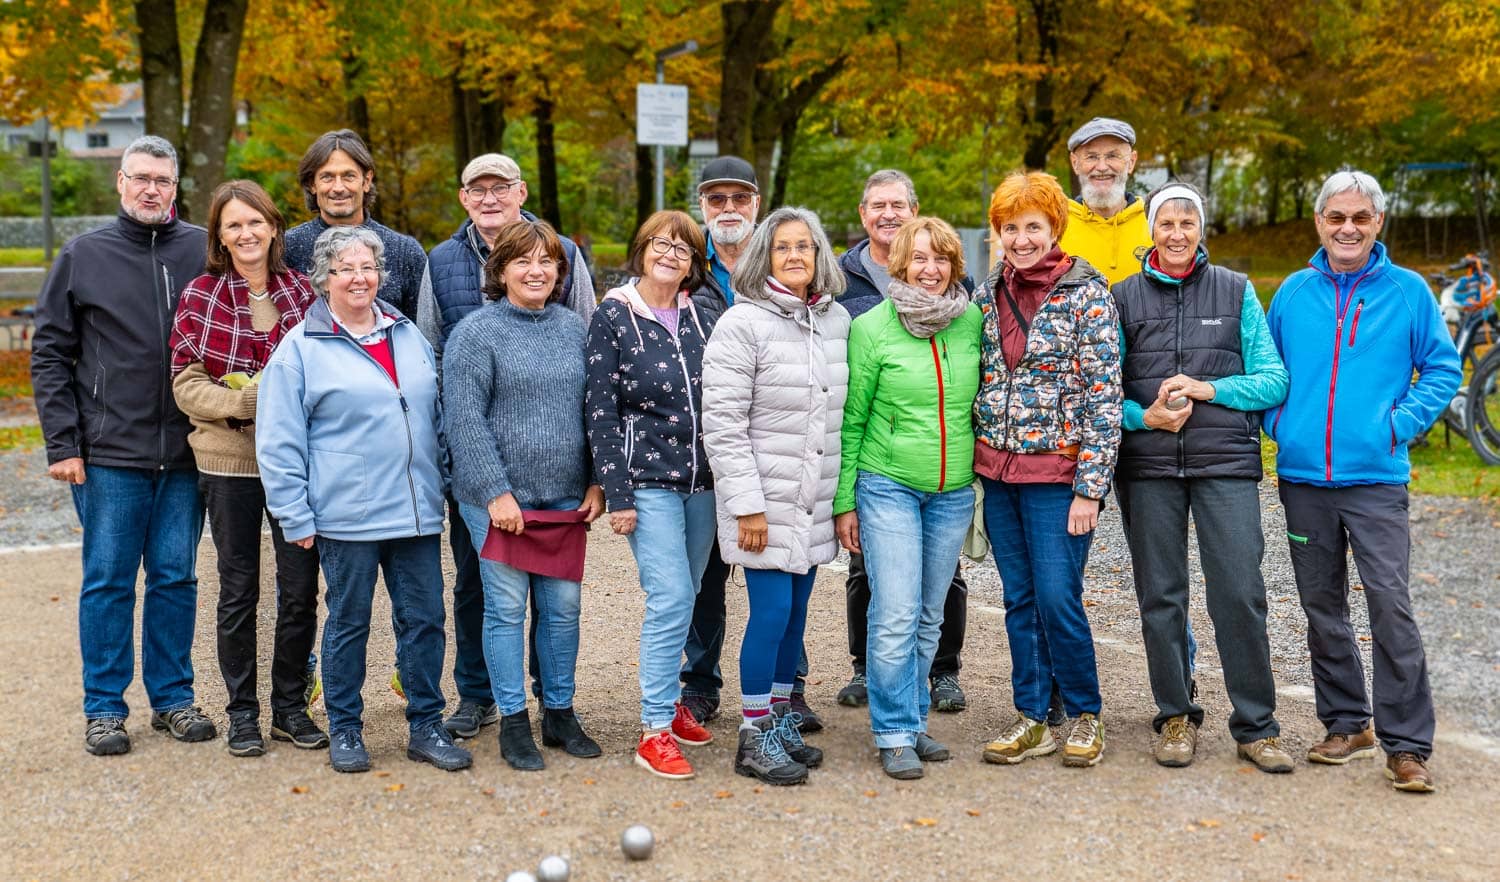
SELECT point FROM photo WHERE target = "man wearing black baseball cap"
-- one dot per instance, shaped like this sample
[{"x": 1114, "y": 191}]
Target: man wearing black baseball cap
[{"x": 729, "y": 196}]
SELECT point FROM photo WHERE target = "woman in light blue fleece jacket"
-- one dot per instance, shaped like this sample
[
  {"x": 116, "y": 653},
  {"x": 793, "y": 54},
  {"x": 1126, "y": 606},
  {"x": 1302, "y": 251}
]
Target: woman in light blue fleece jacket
[
  {"x": 350, "y": 450},
  {"x": 1199, "y": 367}
]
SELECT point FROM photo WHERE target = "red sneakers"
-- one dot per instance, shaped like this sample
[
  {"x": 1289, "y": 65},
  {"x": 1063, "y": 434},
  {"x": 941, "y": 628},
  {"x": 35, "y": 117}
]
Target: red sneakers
[
  {"x": 688, "y": 730},
  {"x": 660, "y": 755}
]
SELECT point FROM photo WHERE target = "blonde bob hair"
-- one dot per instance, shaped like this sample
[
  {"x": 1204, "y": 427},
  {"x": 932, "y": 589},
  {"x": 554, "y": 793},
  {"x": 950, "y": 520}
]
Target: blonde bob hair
[{"x": 944, "y": 241}]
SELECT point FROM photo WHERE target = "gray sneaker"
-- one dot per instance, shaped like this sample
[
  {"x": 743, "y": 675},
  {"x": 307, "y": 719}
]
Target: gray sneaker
[
  {"x": 762, "y": 755},
  {"x": 347, "y": 752},
  {"x": 901, "y": 763},
  {"x": 930, "y": 750},
  {"x": 947, "y": 697},
  {"x": 106, "y": 737},
  {"x": 184, "y": 724},
  {"x": 470, "y": 717},
  {"x": 857, "y": 693}
]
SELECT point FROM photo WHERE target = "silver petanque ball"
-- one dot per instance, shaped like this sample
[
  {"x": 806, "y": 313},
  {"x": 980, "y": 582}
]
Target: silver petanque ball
[
  {"x": 1177, "y": 403},
  {"x": 552, "y": 869},
  {"x": 637, "y": 842},
  {"x": 520, "y": 876}
]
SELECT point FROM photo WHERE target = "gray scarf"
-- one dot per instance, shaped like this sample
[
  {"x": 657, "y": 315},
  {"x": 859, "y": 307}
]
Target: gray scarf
[{"x": 922, "y": 314}]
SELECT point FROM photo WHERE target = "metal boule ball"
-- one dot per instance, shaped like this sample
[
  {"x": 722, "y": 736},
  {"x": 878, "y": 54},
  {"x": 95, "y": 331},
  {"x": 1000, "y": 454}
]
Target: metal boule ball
[
  {"x": 552, "y": 869},
  {"x": 520, "y": 876},
  {"x": 1177, "y": 403},
  {"x": 637, "y": 842}
]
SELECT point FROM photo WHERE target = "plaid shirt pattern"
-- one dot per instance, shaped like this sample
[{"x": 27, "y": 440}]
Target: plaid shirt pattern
[{"x": 214, "y": 326}]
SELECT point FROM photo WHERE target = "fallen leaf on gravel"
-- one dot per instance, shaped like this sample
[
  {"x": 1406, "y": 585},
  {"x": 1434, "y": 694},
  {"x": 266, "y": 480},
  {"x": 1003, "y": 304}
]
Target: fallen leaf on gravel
[
  {"x": 1088, "y": 602},
  {"x": 793, "y": 810},
  {"x": 722, "y": 794},
  {"x": 1245, "y": 770},
  {"x": 872, "y": 793},
  {"x": 488, "y": 791},
  {"x": 588, "y": 782},
  {"x": 1428, "y": 578},
  {"x": 382, "y": 774},
  {"x": 395, "y": 788},
  {"x": 925, "y": 822},
  {"x": 1257, "y": 836},
  {"x": 1452, "y": 601},
  {"x": 1478, "y": 604},
  {"x": 1293, "y": 876},
  {"x": 757, "y": 790},
  {"x": 299, "y": 789},
  {"x": 973, "y": 813},
  {"x": 678, "y": 804},
  {"x": 816, "y": 682},
  {"x": 1364, "y": 638},
  {"x": 1210, "y": 823},
  {"x": 54, "y": 598},
  {"x": 1358, "y": 586},
  {"x": 543, "y": 813}
]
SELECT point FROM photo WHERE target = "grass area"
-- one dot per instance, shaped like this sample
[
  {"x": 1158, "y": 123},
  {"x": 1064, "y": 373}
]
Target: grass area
[
  {"x": 610, "y": 254},
  {"x": 22, "y": 257},
  {"x": 1438, "y": 469},
  {"x": 20, "y": 438}
]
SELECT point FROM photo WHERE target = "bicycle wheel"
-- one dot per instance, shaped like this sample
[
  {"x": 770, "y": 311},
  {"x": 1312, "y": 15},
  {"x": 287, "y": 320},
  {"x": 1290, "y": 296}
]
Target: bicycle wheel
[{"x": 1482, "y": 409}]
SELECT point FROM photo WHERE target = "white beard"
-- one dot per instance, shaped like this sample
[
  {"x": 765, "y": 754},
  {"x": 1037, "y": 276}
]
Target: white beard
[
  {"x": 731, "y": 235},
  {"x": 150, "y": 218},
  {"x": 1101, "y": 200}
]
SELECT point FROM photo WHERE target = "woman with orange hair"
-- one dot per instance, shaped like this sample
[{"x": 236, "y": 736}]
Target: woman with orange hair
[{"x": 1047, "y": 423}]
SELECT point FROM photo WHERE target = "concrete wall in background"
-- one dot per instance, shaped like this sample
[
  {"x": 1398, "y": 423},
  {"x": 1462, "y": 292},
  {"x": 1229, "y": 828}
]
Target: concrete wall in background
[{"x": 26, "y": 232}]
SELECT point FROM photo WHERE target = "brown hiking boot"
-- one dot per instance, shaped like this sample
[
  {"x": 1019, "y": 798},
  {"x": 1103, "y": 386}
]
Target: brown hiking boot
[
  {"x": 1408, "y": 772},
  {"x": 1267, "y": 755},
  {"x": 1179, "y": 741},
  {"x": 1339, "y": 748}
]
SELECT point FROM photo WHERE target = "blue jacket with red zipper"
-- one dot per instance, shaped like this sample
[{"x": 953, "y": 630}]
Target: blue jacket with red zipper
[{"x": 1350, "y": 342}]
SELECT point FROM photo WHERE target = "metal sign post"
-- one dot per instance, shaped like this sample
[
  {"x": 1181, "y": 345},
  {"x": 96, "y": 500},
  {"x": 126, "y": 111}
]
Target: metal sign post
[{"x": 661, "y": 114}]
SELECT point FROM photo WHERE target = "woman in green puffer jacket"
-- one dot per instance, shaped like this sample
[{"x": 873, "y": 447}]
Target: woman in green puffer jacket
[{"x": 908, "y": 463}]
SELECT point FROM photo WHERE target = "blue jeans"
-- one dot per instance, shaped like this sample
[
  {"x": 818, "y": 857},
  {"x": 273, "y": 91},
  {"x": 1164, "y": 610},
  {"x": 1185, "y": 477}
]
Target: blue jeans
[
  {"x": 414, "y": 577},
  {"x": 671, "y": 541},
  {"x": 1041, "y": 571},
  {"x": 557, "y": 604},
  {"x": 772, "y": 646},
  {"x": 911, "y": 543},
  {"x": 132, "y": 517}
]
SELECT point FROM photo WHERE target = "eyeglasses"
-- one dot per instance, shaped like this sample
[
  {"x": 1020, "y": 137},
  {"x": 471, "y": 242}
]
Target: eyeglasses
[
  {"x": 349, "y": 272},
  {"x": 498, "y": 191},
  {"x": 1337, "y": 218},
  {"x": 662, "y": 246},
  {"x": 144, "y": 181},
  {"x": 1113, "y": 157},
  {"x": 801, "y": 248},
  {"x": 719, "y": 200}
]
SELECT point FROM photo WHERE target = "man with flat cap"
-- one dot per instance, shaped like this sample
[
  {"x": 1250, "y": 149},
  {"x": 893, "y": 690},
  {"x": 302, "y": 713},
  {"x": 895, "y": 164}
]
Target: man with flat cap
[{"x": 1106, "y": 224}]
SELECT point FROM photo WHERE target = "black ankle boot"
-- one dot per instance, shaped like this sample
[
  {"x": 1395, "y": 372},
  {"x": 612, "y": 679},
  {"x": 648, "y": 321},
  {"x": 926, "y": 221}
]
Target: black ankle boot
[
  {"x": 516, "y": 744},
  {"x": 561, "y": 728}
]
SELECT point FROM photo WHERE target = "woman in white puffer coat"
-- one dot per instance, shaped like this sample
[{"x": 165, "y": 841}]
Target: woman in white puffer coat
[{"x": 774, "y": 380}]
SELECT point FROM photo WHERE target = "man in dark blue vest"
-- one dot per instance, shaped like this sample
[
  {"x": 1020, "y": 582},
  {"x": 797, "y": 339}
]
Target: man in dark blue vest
[{"x": 492, "y": 193}]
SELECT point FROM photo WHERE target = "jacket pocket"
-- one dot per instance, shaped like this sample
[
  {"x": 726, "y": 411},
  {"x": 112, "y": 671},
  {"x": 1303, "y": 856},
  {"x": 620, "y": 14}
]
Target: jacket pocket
[
  {"x": 629, "y": 446},
  {"x": 337, "y": 486},
  {"x": 94, "y": 412}
]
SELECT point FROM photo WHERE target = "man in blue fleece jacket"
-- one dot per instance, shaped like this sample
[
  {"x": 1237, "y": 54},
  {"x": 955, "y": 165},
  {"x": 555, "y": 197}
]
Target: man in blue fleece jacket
[{"x": 1352, "y": 329}]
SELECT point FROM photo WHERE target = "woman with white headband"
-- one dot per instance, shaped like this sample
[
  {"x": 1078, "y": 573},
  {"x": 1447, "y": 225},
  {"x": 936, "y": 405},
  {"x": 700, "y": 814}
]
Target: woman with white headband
[{"x": 1199, "y": 366}]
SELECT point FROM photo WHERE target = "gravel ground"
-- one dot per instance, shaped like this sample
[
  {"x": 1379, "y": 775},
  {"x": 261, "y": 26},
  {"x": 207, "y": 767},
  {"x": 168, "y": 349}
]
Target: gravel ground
[{"x": 185, "y": 811}]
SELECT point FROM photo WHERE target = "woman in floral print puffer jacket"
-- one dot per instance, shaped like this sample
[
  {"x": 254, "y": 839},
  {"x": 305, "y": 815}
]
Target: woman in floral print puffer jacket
[{"x": 1047, "y": 420}]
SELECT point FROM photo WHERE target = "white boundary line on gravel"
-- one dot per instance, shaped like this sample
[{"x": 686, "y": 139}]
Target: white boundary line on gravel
[
  {"x": 26, "y": 549},
  {"x": 1462, "y": 739}
]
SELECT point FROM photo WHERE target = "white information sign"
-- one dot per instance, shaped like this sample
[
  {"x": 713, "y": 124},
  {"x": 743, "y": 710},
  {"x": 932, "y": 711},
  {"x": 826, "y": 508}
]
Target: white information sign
[{"x": 661, "y": 114}]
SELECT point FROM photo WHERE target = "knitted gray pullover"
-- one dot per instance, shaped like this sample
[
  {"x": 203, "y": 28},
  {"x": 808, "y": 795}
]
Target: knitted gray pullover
[{"x": 513, "y": 394}]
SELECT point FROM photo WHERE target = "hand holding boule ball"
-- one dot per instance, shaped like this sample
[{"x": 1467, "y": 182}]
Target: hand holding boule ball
[{"x": 1177, "y": 402}]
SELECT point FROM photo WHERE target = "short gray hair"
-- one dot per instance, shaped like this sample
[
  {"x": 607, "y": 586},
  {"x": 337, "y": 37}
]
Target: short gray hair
[
  {"x": 335, "y": 241},
  {"x": 890, "y": 176},
  {"x": 754, "y": 266},
  {"x": 151, "y": 145},
  {"x": 1346, "y": 179}
]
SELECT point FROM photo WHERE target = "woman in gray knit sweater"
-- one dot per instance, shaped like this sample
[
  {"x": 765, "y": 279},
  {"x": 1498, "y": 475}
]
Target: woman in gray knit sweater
[{"x": 513, "y": 399}]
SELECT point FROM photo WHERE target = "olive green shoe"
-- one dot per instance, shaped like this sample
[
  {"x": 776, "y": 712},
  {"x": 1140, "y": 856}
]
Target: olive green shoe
[
  {"x": 1023, "y": 738},
  {"x": 1178, "y": 743},
  {"x": 1085, "y": 745}
]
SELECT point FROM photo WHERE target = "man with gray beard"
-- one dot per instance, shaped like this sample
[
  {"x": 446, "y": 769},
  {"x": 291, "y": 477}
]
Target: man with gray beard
[{"x": 1106, "y": 224}]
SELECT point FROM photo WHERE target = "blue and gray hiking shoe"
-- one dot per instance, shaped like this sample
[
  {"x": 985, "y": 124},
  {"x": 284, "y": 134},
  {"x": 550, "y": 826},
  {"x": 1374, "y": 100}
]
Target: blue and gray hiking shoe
[
  {"x": 347, "y": 752},
  {"x": 762, "y": 755},
  {"x": 789, "y": 726},
  {"x": 433, "y": 745}
]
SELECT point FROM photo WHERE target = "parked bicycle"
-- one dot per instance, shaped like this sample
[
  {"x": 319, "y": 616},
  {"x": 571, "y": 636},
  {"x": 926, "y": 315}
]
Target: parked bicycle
[{"x": 1468, "y": 302}]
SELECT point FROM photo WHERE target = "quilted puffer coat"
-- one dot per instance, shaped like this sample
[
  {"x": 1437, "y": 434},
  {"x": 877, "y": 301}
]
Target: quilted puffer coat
[{"x": 775, "y": 376}]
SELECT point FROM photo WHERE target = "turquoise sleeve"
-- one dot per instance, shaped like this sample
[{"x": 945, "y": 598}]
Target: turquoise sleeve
[
  {"x": 1133, "y": 418},
  {"x": 1264, "y": 383}
]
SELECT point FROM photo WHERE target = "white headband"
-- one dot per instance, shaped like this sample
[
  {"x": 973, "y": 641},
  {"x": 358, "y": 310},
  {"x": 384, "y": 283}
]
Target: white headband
[{"x": 1175, "y": 191}]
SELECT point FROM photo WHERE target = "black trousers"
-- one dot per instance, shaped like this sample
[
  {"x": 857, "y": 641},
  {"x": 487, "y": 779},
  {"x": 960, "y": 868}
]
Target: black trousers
[
  {"x": 950, "y": 639},
  {"x": 235, "y": 508}
]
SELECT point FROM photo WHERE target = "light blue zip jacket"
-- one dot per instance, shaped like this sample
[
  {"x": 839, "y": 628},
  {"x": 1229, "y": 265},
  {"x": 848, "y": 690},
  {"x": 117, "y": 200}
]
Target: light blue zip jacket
[
  {"x": 1350, "y": 342},
  {"x": 343, "y": 452}
]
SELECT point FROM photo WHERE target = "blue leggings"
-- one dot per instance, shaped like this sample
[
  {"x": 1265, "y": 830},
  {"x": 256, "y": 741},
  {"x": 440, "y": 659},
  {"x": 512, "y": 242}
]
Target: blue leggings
[{"x": 773, "y": 636}]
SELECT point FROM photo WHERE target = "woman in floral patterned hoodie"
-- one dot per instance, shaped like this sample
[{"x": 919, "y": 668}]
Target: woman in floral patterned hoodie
[
  {"x": 645, "y": 394},
  {"x": 1047, "y": 420}
]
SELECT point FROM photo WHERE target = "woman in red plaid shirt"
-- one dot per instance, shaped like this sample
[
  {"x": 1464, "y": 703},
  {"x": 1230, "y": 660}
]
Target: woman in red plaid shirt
[{"x": 228, "y": 321}]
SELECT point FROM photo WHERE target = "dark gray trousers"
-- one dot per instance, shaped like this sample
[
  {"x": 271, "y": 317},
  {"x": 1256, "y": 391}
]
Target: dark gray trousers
[
  {"x": 1226, "y": 512},
  {"x": 1322, "y": 523}
]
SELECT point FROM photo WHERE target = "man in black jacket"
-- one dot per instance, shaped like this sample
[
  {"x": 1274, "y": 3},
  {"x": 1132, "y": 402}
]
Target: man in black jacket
[{"x": 101, "y": 369}]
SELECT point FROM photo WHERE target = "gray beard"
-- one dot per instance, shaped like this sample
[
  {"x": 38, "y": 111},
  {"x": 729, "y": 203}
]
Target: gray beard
[
  {"x": 149, "y": 218},
  {"x": 1112, "y": 199},
  {"x": 731, "y": 235}
]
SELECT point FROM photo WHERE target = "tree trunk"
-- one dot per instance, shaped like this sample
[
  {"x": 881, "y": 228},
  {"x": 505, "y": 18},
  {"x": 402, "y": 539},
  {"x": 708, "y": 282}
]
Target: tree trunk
[
  {"x": 747, "y": 46},
  {"x": 356, "y": 106},
  {"x": 546, "y": 163},
  {"x": 211, "y": 118},
  {"x": 459, "y": 127},
  {"x": 161, "y": 68},
  {"x": 645, "y": 176},
  {"x": 1041, "y": 120}
]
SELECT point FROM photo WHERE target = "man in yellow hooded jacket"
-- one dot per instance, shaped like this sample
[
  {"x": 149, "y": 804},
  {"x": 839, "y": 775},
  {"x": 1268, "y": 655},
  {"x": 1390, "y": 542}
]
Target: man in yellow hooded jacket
[{"x": 1106, "y": 224}]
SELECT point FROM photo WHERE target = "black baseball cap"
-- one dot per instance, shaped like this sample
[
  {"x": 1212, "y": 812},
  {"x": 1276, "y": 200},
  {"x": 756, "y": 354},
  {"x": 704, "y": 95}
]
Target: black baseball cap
[{"x": 728, "y": 170}]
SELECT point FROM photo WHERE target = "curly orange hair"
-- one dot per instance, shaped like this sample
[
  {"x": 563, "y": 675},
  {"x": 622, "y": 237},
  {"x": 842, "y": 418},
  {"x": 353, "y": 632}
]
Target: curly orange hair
[{"x": 1030, "y": 191}]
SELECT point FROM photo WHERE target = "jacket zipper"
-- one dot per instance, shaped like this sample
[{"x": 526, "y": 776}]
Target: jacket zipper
[
  {"x": 411, "y": 443},
  {"x": 1333, "y": 379},
  {"x": 942, "y": 419},
  {"x": 161, "y": 395},
  {"x": 687, "y": 387},
  {"x": 1354, "y": 328},
  {"x": 1177, "y": 346}
]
